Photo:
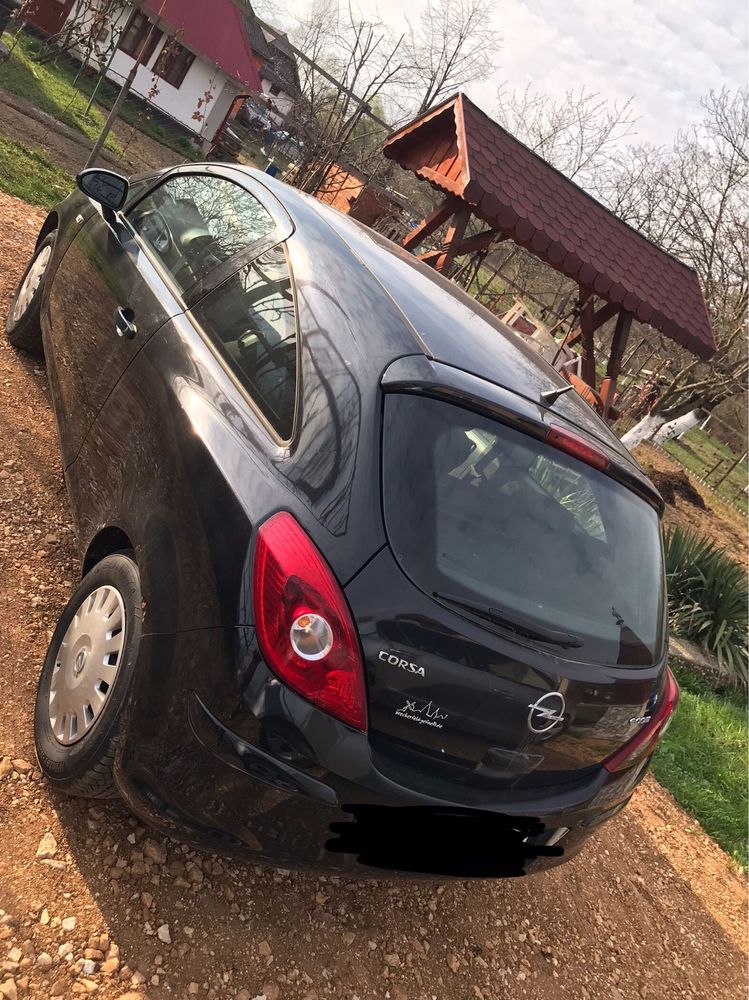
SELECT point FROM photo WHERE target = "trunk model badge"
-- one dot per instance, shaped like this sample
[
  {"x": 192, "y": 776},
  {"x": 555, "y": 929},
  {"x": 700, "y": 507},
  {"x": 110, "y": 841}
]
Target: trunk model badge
[
  {"x": 397, "y": 661},
  {"x": 546, "y": 712}
]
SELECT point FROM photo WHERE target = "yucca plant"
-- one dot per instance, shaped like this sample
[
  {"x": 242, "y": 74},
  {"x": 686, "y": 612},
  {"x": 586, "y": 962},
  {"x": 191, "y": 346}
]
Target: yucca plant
[{"x": 708, "y": 598}]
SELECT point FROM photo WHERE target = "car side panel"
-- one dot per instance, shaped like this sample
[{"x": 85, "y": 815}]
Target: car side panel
[{"x": 179, "y": 459}]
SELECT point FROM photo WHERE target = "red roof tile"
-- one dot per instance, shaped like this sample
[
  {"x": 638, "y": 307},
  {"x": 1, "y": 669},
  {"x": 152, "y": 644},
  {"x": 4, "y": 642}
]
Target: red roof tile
[
  {"x": 215, "y": 31},
  {"x": 512, "y": 189}
]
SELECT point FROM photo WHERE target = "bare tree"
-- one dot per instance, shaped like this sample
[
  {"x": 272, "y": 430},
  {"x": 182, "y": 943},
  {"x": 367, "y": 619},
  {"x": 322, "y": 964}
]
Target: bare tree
[
  {"x": 453, "y": 44},
  {"x": 365, "y": 60},
  {"x": 575, "y": 133},
  {"x": 692, "y": 201}
]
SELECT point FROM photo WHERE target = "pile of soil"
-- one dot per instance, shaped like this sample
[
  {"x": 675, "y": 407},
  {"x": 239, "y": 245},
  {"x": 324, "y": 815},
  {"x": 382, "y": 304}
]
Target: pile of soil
[{"x": 675, "y": 484}]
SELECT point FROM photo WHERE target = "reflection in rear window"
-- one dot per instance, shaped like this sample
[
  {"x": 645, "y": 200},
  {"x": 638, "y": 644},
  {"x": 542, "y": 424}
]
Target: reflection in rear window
[{"x": 483, "y": 512}]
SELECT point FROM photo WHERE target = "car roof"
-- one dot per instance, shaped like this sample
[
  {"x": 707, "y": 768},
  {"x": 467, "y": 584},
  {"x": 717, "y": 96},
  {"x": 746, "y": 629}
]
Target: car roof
[{"x": 450, "y": 326}]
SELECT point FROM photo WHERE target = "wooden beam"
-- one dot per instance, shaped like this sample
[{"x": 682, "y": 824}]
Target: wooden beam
[
  {"x": 600, "y": 316},
  {"x": 478, "y": 242},
  {"x": 604, "y": 314},
  {"x": 436, "y": 218},
  {"x": 618, "y": 345},
  {"x": 453, "y": 239},
  {"x": 587, "y": 318}
]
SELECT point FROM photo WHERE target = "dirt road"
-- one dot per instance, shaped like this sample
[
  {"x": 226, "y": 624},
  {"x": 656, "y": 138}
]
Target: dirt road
[{"x": 652, "y": 908}]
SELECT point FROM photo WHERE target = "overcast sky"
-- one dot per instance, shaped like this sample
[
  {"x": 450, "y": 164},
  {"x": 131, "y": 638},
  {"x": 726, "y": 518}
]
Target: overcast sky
[{"x": 665, "y": 53}]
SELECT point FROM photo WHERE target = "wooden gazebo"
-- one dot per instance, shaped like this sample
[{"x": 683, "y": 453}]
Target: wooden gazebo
[{"x": 484, "y": 171}]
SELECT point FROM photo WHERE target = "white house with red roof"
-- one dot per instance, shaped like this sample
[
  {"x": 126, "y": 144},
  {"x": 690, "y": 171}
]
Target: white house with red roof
[{"x": 197, "y": 58}]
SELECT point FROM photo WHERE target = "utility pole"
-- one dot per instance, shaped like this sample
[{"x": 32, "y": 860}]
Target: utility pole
[{"x": 124, "y": 91}]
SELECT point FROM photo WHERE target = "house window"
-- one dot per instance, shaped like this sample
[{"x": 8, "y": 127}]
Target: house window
[
  {"x": 173, "y": 63},
  {"x": 275, "y": 89},
  {"x": 135, "y": 34}
]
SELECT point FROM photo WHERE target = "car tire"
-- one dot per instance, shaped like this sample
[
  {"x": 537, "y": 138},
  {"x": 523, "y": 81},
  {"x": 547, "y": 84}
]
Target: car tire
[
  {"x": 86, "y": 678},
  {"x": 23, "y": 323}
]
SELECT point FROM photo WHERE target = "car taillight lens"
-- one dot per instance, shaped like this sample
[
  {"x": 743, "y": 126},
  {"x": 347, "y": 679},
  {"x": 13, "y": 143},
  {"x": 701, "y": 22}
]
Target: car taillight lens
[
  {"x": 643, "y": 743},
  {"x": 576, "y": 446},
  {"x": 304, "y": 627}
]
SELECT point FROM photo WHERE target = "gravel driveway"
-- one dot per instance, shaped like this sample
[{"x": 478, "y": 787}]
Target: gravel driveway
[{"x": 92, "y": 903}]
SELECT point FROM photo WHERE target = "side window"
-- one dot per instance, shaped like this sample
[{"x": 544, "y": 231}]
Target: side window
[
  {"x": 194, "y": 222},
  {"x": 250, "y": 321}
]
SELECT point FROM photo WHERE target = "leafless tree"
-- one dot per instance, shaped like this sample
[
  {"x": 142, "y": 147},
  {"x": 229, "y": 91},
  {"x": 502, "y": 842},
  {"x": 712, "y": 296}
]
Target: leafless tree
[
  {"x": 692, "y": 201},
  {"x": 575, "y": 133},
  {"x": 365, "y": 59},
  {"x": 452, "y": 44}
]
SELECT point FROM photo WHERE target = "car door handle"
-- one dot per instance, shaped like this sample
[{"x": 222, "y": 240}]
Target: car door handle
[{"x": 124, "y": 322}]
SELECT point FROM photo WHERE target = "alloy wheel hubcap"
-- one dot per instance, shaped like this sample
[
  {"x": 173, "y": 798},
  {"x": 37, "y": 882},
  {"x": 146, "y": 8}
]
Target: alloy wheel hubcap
[
  {"x": 31, "y": 282},
  {"x": 86, "y": 665}
]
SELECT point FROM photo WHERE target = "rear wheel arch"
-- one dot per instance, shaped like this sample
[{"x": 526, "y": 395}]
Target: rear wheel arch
[
  {"x": 105, "y": 543},
  {"x": 51, "y": 224}
]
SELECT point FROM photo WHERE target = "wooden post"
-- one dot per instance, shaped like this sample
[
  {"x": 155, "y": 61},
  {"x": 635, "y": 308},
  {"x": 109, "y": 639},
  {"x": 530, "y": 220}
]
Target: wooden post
[
  {"x": 730, "y": 469},
  {"x": 588, "y": 362},
  {"x": 432, "y": 222},
  {"x": 453, "y": 239},
  {"x": 618, "y": 345}
]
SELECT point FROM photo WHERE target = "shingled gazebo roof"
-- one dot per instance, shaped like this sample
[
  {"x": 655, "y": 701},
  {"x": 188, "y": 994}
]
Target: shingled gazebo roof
[{"x": 464, "y": 153}]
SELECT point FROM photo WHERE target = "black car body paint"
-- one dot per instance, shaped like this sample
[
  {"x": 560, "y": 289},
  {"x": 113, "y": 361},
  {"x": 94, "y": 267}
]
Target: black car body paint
[{"x": 162, "y": 447}]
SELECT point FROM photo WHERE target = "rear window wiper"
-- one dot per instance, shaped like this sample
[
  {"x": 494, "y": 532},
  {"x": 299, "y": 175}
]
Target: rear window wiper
[{"x": 518, "y": 625}]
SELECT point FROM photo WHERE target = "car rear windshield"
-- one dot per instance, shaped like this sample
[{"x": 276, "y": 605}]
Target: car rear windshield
[{"x": 497, "y": 521}]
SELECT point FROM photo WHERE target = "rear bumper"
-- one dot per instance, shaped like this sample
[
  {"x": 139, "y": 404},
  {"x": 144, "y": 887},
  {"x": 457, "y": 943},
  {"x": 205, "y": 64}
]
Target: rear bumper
[{"x": 217, "y": 751}]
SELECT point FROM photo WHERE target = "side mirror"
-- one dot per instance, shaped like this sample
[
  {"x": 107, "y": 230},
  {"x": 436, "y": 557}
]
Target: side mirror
[{"x": 105, "y": 186}]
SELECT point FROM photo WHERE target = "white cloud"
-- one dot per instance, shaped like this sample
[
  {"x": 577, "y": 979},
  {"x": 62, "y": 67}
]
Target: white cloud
[{"x": 666, "y": 54}]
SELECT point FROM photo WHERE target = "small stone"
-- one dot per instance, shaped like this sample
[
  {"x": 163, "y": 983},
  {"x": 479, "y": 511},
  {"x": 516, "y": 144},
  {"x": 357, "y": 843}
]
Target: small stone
[
  {"x": 271, "y": 991},
  {"x": 393, "y": 960},
  {"x": 47, "y": 847},
  {"x": 162, "y": 933},
  {"x": 22, "y": 766},
  {"x": 154, "y": 851},
  {"x": 195, "y": 875},
  {"x": 65, "y": 949},
  {"x": 453, "y": 962},
  {"x": 244, "y": 995},
  {"x": 132, "y": 996},
  {"x": 193, "y": 989},
  {"x": 265, "y": 949},
  {"x": 8, "y": 990},
  {"x": 69, "y": 923},
  {"x": 44, "y": 961},
  {"x": 89, "y": 967},
  {"x": 58, "y": 987},
  {"x": 44, "y": 919},
  {"x": 6, "y": 767},
  {"x": 109, "y": 967}
]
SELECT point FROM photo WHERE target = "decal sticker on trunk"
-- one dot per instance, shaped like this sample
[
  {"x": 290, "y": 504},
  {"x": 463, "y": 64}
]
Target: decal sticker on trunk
[{"x": 426, "y": 715}]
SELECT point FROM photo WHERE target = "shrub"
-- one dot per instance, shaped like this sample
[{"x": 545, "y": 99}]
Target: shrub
[{"x": 708, "y": 599}]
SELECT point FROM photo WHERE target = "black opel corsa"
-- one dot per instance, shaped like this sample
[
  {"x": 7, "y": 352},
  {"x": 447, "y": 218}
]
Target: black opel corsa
[{"x": 360, "y": 591}]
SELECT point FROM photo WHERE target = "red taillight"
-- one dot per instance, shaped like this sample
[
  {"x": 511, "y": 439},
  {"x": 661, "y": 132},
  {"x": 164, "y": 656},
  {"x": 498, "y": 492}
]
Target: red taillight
[
  {"x": 643, "y": 743},
  {"x": 577, "y": 447},
  {"x": 294, "y": 588}
]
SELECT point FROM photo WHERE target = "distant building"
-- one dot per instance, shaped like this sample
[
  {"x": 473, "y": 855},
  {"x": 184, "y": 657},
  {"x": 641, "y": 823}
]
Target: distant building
[
  {"x": 279, "y": 74},
  {"x": 194, "y": 68}
]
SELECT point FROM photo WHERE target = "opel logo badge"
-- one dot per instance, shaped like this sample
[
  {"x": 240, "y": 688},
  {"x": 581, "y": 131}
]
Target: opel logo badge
[{"x": 546, "y": 712}]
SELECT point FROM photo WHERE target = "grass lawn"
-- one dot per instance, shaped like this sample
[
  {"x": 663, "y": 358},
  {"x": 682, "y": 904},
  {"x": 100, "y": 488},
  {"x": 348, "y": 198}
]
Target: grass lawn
[
  {"x": 29, "y": 175},
  {"x": 51, "y": 88},
  {"x": 699, "y": 452},
  {"x": 703, "y": 761},
  {"x": 62, "y": 89}
]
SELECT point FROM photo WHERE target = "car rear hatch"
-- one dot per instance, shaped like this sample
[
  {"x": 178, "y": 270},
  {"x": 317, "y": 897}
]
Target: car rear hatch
[{"x": 513, "y": 628}]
